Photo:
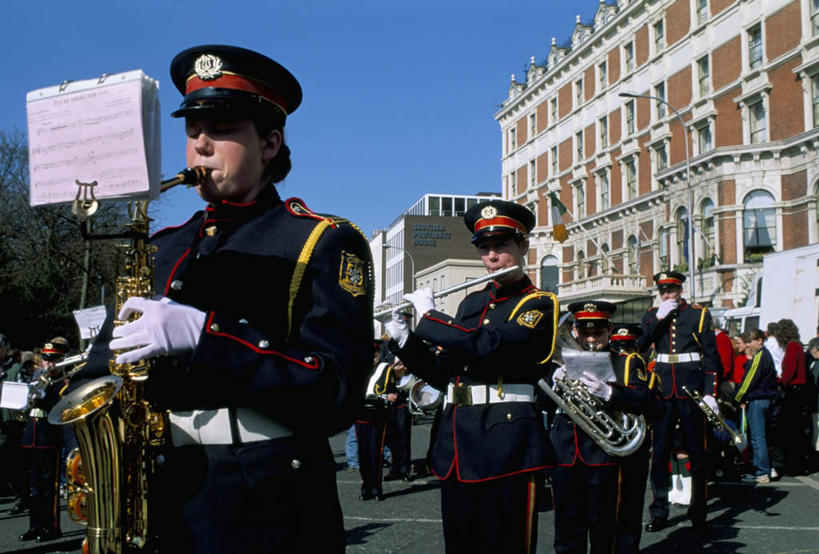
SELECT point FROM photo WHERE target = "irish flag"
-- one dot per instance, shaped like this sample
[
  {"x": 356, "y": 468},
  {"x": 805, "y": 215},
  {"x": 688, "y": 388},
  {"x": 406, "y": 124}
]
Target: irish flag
[{"x": 558, "y": 209}]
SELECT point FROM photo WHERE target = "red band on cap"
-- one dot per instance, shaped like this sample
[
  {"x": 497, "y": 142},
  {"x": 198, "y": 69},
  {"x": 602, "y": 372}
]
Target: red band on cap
[
  {"x": 669, "y": 281},
  {"x": 500, "y": 221},
  {"x": 623, "y": 337},
  {"x": 237, "y": 82},
  {"x": 592, "y": 315}
]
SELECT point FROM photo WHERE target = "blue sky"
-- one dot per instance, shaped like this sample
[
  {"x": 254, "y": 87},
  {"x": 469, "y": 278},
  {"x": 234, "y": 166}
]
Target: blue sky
[{"x": 399, "y": 97}]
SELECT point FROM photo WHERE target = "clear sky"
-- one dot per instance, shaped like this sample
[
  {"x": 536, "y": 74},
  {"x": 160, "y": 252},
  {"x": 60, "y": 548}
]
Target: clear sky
[{"x": 399, "y": 97}]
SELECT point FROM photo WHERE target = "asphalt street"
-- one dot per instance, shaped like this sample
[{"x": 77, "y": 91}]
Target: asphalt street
[{"x": 781, "y": 517}]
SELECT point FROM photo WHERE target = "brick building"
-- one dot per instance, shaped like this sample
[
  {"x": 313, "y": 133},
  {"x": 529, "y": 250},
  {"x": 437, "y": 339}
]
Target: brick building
[{"x": 743, "y": 76}]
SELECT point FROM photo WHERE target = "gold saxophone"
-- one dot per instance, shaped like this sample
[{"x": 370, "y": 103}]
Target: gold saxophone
[{"x": 116, "y": 427}]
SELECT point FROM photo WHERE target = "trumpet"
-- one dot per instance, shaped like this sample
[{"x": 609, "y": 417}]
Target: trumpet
[
  {"x": 715, "y": 419},
  {"x": 38, "y": 386},
  {"x": 441, "y": 293}
]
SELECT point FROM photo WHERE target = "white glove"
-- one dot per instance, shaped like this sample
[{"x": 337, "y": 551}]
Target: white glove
[
  {"x": 596, "y": 386},
  {"x": 397, "y": 329},
  {"x": 711, "y": 402},
  {"x": 421, "y": 300},
  {"x": 559, "y": 374},
  {"x": 164, "y": 328},
  {"x": 666, "y": 308}
]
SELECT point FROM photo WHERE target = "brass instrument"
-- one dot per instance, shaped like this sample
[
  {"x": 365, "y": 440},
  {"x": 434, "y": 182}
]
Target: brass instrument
[
  {"x": 617, "y": 433},
  {"x": 715, "y": 419},
  {"x": 115, "y": 425},
  {"x": 37, "y": 387}
]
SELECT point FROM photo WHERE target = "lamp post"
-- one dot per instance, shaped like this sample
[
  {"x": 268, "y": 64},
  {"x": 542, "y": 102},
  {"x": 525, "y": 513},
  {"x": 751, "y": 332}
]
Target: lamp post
[
  {"x": 691, "y": 257},
  {"x": 412, "y": 264}
]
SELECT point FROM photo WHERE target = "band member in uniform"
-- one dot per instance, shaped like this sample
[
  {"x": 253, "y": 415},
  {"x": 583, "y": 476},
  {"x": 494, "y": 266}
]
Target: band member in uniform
[
  {"x": 42, "y": 442},
  {"x": 491, "y": 447},
  {"x": 585, "y": 477},
  {"x": 399, "y": 424},
  {"x": 631, "y": 371},
  {"x": 262, "y": 332},
  {"x": 686, "y": 355},
  {"x": 370, "y": 429}
]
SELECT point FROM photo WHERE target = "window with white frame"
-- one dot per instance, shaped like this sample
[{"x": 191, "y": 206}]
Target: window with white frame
[
  {"x": 702, "y": 11},
  {"x": 633, "y": 253},
  {"x": 532, "y": 173},
  {"x": 578, "y": 92},
  {"x": 553, "y": 158},
  {"x": 704, "y": 76},
  {"x": 659, "y": 92},
  {"x": 604, "y": 258},
  {"x": 513, "y": 138},
  {"x": 553, "y": 109},
  {"x": 602, "y": 75},
  {"x": 603, "y": 130},
  {"x": 628, "y": 54},
  {"x": 757, "y": 122},
  {"x": 708, "y": 230},
  {"x": 705, "y": 140},
  {"x": 814, "y": 86},
  {"x": 681, "y": 222},
  {"x": 663, "y": 249},
  {"x": 579, "y": 200},
  {"x": 532, "y": 124},
  {"x": 630, "y": 117},
  {"x": 631, "y": 179},
  {"x": 814, "y": 16},
  {"x": 604, "y": 186},
  {"x": 659, "y": 36},
  {"x": 581, "y": 265},
  {"x": 549, "y": 274},
  {"x": 578, "y": 146},
  {"x": 755, "y": 46},
  {"x": 660, "y": 157},
  {"x": 758, "y": 224}
]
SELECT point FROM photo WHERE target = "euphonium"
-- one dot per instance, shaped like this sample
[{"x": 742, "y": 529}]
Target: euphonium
[
  {"x": 117, "y": 429},
  {"x": 617, "y": 433}
]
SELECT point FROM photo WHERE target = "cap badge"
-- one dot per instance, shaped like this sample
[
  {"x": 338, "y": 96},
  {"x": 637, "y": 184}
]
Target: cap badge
[
  {"x": 48, "y": 346},
  {"x": 590, "y": 307},
  {"x": 663, "y": 276},
  {"x": 488, "y": 212},
  {"x": 208, "y": 67},
  {"x": 622, "y": 332}
]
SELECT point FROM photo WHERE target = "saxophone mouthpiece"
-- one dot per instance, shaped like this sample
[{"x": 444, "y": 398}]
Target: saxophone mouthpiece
[{"x": 190, "y": 176}]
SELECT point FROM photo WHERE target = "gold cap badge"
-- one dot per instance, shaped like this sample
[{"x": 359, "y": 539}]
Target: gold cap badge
[
  {"x": 590, "y": 307},
  {"x": 207, "y": 67},
  {"x": 488, "y": 212}
]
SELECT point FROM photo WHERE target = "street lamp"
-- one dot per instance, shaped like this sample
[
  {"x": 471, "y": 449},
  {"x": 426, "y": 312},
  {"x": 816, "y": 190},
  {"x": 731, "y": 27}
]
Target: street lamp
[
  {"x": 412, "y": 263},
  {"x": 690, "y": 190}
]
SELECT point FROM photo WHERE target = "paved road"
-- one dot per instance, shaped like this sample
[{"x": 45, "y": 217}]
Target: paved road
[{"x": 782, "y": 517}]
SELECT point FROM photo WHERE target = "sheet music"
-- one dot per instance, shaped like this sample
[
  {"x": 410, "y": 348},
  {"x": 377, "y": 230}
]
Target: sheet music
[
  {"x": 90, "y": 321},
  {"x": 13, "y": 396},
  {"x": 597, "y": 363},
  {"x": 103, "y": 130}
]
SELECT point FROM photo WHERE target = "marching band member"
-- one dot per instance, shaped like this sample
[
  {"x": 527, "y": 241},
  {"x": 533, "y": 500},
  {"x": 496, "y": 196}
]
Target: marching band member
[
  {"x": 683, "y": 338},
  {"x": 585, "y": 477},
  {"x": 490, "y": 448},
  {"x": 262, "y": 333},
  {"x": 370, "y": 430},
  {"x": 399, "y": 425}
]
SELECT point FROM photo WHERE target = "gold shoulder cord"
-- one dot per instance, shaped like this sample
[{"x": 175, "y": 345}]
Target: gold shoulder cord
[{"x": 556, "y": 306}]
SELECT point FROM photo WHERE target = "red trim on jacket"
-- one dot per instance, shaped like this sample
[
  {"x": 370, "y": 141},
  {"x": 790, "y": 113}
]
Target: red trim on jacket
[{"x": 173, "y": 271}]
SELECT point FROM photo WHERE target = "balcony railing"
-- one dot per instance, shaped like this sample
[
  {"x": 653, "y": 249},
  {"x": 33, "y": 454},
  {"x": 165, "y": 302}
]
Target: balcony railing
[{"x": 604, "y": 287}]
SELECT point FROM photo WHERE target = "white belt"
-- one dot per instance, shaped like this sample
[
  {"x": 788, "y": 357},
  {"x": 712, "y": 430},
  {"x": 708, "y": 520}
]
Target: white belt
[
  {"x": 678, "y": 358},
  {"x": 214, "y": 427},
  {"x": 488, "y": 394},
  {"x": 37, "y": 412}
]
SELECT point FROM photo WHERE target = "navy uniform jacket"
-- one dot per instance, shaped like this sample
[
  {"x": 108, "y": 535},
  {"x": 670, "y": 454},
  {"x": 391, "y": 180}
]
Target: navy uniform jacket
[
  {"x": 687, "y": 329},
  {"x": 636, "y": 391},
  {"x": 759, "y": 381},
  {"x": 38, "y": 432},
  {"x": 498, "y": 336},
  {"x": 288, "y": 297}
]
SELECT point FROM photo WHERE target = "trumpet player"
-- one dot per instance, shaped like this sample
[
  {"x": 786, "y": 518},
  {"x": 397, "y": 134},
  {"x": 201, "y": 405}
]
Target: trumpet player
[
  {"x": 686, "y": 355},
  {"x": 585, "y": 477},
  {"x": 490, "y": 448},
  {"x": 42, "y": 442}
]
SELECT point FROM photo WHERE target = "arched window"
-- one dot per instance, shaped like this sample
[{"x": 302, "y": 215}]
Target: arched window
[
  {"x": 581, "y": 266},
  {"x": 633, "y": 255},
  {"x": 549, "y": 274},
  {"x": 604, "y": 259},
  {"x": 682, "y": 237},
  {"x": 758, "y": 225},
  {"x": 663, "y": 249},
  {"x": 708, "y": 235}
]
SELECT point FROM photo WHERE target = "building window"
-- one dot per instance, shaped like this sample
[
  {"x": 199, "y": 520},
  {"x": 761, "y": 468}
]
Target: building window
[
  {"x": 513, "y": 139},
  {"x": 532, "y": 124},
  {"x": 755, "y": 47},
  {"x": 604, "y": 258},
  {"x": 659, "y": 92},
  {"x": 814, "y": 84},
  {"x": 602, "y": 75},
  {"x": 603, "y": 128},
  {"x": 434, "y": 205},
  {"x": 659, "y": 36},
  {"x": 705, "y": 141},
  {"x": 633, "y": 255},
  {"x": 628, "y": 54},
  {"x": 704, "y": 76},
  {"x": 578, "y": 92},
  {"x": 631, "y": 180},
  {"x": 580, "y": 200},
  {"x": 553, "y": 109},
  {"x": 578, "y": 146},
  {"x": 553, "y": 157},
  {"x": 702, "y": 11},
  {"x": 660, "y": 157},
  {"x": 581, "y": 266},
  {"x": 663, "y": 239},
  {"x": 446, "y": 201},
  {"x": 757, "y": 122},
  {"x": 604, "y": 187},
  {"x": 814, "y": 16},
  {"x": 630, "y": 117},
  {"x": 708, "y": 231},
  {"x": 532, "y": 173},
  {"x": 682, "y": 238},
  {"x": 549, "y": 274},
  {"x": 460, "y": 207},
  {"x": 758, "y": 224}
]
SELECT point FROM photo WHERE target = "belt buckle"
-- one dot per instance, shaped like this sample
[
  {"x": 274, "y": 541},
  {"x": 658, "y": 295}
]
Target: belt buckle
[
  {"x": 673, "y": 358},
  {"x": 461, "y": 396}
]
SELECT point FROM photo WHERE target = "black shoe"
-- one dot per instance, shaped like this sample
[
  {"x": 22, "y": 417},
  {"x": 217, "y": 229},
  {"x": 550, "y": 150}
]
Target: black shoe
[
  {"x": 18, "y": 508},
  {"x": 393, "y": 477},
  {"x": 366, "y": 496},
  {"x": 29, "y": 535},
  {"x": 656, "y": 524},
  {"x": 49, "y": 535}
]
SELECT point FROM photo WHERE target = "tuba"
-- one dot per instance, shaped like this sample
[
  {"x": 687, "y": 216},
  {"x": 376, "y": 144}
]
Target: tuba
[{"x": 117, "y": 429}]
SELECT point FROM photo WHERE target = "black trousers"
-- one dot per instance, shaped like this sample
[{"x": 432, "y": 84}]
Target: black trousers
[
  {"x": 370, "y": 437},
  {"x": 43, "y": 472},
  {"x": 633, "y": 480},
  {"x": 399, "y": 438},
  {"x": 795, "y": 429},
  {"x": 692, "y": 430},
  {"x": 270, "y": 496},
  {"x": 498, "y": 515},
  {"x": 585, "y": 499}
]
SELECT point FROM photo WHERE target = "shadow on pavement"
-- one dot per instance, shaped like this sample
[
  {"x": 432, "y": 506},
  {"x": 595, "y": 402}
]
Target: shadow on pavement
[{"x": 360, "y": 534}]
